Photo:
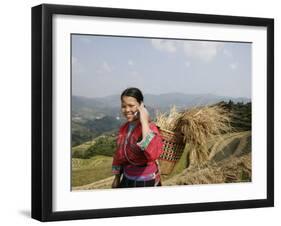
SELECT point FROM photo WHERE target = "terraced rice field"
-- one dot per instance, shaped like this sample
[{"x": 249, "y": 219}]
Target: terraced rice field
[
  {"x": 229, "y": 161},
  {"x": 86, "y": 171}
]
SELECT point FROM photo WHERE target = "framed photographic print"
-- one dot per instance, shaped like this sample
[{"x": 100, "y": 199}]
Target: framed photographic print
[{"x": 138, "y": 112}]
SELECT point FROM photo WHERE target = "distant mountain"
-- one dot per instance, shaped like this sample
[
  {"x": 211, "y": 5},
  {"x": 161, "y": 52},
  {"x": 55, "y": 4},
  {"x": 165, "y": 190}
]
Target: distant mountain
[
  {"x": 93, "y": 116},
  {"x": 165, "y": 101},
  {"x": 161, "y": 101}
]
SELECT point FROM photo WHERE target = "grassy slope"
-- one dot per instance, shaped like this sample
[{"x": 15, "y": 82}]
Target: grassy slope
[
  {"x": 82, "y": 147},
  {"x": 96, "y": 172},
  {"x": 86, "y": 171}
]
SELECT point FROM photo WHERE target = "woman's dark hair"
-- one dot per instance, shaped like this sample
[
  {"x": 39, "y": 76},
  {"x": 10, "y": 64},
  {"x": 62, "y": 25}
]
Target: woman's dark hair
[{"x": 133, "y": 92}]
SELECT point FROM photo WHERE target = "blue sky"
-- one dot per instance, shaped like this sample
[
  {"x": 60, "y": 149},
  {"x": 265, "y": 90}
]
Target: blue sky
[{"x": 106, "y": 65}]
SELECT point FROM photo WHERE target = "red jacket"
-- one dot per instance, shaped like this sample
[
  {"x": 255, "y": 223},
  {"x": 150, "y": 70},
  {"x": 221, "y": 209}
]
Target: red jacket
[{"x": 133, "y": 152}]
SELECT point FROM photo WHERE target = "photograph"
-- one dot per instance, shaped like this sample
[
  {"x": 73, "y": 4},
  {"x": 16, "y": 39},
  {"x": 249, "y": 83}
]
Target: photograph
[
  {"x": 149, "y": 112},
  {"x": 141, "y": 112}
]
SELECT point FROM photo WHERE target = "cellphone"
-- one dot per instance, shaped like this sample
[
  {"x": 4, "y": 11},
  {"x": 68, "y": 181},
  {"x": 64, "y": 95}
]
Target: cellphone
[{"x": 137, "y": 112}]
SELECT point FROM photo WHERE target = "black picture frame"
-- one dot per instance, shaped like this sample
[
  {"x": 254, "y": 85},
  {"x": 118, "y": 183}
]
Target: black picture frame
[{"x": 42, "y": 107}]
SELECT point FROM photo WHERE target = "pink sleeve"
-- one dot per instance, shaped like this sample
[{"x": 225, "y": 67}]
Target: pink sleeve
[{"x": 153, "y": 144}]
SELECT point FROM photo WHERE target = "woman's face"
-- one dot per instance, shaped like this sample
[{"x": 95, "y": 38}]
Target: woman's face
[{"x": 129, "y": 108}]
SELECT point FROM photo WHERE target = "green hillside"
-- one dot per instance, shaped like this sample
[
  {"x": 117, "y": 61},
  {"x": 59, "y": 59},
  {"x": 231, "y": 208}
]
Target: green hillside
[
  {"x": 88, "y": 129},
  {"x": 91, "y": 161},
  {"x": 86, "y": 171},
  {"x": 241, "y": 115},
  {"x": 102, "y": 145}
]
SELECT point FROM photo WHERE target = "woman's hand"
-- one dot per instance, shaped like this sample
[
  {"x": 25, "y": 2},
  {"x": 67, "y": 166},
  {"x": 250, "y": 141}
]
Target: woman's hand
[
  {"x": 144, "y": 115},
  {"x": 144, "y": 119},
  {"x": 116, "y": 182}
]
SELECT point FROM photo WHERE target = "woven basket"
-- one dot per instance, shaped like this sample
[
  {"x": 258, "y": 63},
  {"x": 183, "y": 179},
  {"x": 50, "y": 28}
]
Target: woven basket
[{"x": 173, "y": 149}]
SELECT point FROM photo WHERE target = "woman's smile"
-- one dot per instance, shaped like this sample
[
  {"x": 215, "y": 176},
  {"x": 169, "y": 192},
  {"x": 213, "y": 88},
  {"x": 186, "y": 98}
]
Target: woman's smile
[{"x": 130, "y": 115}]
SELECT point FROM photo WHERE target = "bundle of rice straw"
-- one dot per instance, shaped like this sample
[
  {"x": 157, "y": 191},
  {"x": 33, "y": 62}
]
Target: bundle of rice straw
[
  {"x": 168, "y": 121},
  {"x": 198, "y": 125},
  {"x": 195, "y": 126}
]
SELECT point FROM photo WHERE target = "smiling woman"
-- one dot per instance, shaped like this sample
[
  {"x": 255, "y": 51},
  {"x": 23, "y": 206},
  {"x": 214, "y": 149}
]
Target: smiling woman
[{"x": 139, "y": 145}]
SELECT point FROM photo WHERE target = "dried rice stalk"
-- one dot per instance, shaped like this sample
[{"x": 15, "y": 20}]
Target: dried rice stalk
[
  {"x": 168, "y": 121},
  {"x": 234, "y": 169},
  {"x": 197, "y": 125},
  {"x": 200, "y": 124}
]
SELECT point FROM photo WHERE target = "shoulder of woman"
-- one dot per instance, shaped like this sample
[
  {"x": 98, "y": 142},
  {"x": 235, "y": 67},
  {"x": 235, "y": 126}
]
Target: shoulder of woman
[{"x": 153, "y": 127}]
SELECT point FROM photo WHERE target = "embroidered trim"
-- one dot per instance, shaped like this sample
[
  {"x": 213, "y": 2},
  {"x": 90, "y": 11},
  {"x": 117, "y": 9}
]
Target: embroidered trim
[
  {"x": 143, "y": 144},
  {"x": 116, "y": 169}
]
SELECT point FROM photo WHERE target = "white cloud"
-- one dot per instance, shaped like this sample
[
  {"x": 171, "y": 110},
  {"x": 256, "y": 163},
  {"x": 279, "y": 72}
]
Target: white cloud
[
  {"x": 187, "y": 64},
  {"x": 165, "y": 45},
  {"x": 203, "y": 50},
  {"x": 233, "y": 66},
  {"x": 131, "y": 63},
  {"x": 104, "y": 68}
]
